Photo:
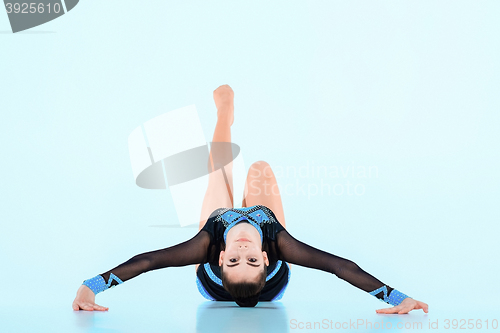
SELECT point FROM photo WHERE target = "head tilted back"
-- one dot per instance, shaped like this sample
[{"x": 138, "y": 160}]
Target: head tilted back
[{"x": 245, "y": 293}]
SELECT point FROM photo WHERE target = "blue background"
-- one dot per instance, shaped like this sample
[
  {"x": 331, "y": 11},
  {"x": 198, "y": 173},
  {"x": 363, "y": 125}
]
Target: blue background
[{"x": 410, "y": 88}]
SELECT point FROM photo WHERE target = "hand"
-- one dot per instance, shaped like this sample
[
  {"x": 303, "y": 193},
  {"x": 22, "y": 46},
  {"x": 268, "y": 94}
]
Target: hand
[
  {"x": 406, "y": 306},
  {"x": 85, "y": 300}
]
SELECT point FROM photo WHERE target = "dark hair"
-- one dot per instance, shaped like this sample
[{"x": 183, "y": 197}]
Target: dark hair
[{"x": 245, "y": 294}]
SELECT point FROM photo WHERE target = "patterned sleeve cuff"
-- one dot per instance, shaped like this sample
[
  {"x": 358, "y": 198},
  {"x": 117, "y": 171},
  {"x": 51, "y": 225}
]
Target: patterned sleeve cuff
[
  {"x": 394, "y": 298},
  {"x": 97, "y": 283}
]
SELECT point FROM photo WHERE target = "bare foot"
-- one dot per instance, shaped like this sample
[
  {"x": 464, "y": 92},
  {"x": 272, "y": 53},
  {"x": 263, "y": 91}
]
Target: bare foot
[{"x": 224, "y": 101}]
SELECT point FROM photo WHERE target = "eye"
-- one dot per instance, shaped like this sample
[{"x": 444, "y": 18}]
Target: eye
[
  {"x": 232, "y": 260},
  {"x": 252, "y": 259}
]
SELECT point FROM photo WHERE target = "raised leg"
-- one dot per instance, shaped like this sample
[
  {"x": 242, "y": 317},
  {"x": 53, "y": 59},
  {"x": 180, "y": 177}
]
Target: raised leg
[{"x": 220, "y": 182}]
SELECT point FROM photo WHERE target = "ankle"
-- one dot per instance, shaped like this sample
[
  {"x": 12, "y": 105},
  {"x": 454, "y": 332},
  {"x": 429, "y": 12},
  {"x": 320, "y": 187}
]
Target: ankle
[
  {"x": 225, "y": 115},
  {"x": 225, "y": 121}
]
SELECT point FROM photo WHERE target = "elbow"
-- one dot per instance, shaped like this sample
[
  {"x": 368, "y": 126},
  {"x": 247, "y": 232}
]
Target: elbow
[
  {"x": 347, "y": 268},
  {"x": 142, "y": 263}
]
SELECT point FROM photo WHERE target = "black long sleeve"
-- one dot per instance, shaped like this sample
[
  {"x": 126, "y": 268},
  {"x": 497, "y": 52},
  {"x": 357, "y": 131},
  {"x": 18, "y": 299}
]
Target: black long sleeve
[
  {"x": 206, "y": 244},
  {"x": 193, "y": 251},
  {"x": 296, "y": 252}
]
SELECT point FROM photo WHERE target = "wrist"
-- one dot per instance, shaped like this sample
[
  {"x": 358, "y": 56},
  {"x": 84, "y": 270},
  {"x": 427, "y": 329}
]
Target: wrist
[
  {"x": 396, "y": 297},
  {"x": 97, "y": 283},
  {"x": 83, "y": 289}
]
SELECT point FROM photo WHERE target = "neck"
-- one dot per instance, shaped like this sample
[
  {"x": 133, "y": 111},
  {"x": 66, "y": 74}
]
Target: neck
[{"x": 243, "y": 230}]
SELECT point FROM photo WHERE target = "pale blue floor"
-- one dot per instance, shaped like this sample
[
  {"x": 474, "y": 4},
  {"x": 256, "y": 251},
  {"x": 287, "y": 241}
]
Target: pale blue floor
[
  {"x": 167, "y": 300},
  {"x": 137, "y": 314}
]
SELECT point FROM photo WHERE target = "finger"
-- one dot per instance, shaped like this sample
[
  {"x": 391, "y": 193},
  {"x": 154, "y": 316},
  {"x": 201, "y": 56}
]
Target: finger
[
  {"x": 388, "y": 310},
  {"x": 103, "y": 307},
  {"x": 87, "y": 307},
  {"x": 423, "y": 306},
  {"x": 99, "y": 308},
  {"x": 404, "y": 310}
]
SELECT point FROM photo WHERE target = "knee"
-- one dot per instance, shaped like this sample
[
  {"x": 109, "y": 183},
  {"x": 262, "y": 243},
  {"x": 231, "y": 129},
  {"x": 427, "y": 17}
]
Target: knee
[{"x": 260, "y": 169}]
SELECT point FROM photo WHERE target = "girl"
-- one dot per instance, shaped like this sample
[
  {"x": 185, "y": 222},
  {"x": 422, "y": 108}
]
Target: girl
[{"x": 241, "y": 254}]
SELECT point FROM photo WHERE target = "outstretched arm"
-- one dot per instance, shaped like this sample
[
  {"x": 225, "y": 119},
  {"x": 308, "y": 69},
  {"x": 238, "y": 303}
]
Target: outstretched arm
[
  {"x": 193, "y": 251},
  {"x": 296, "y": 252}
]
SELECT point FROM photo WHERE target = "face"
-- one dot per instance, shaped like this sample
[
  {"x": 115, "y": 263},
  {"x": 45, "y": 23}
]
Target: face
[{"x": 243, "y": 258}]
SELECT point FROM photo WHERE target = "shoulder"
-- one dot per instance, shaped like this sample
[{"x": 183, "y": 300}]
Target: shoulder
[{"x": 213, "y": 226}]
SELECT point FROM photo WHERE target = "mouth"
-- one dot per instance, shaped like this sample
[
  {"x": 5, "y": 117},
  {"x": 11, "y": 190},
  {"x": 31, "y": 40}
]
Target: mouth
[{"x": 243, "y": 240}]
